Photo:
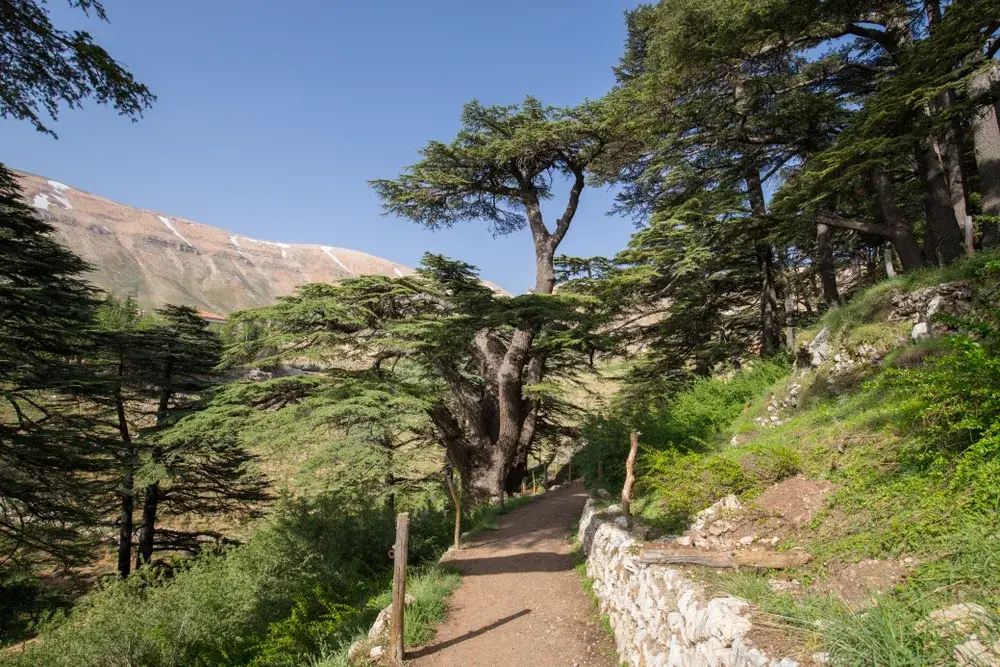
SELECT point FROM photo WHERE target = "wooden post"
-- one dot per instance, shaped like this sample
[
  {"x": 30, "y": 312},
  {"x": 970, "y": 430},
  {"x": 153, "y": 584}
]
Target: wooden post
[
  {"x": 399, "y": 550},
  {"x": 630, "y": 474},
  {"x": 458, "y": 509},
  {"x": 534, "y": 486},
  {"x": 524, "y": 487}
]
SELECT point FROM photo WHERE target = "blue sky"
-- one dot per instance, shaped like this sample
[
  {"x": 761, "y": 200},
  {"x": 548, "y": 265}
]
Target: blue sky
[{"x": 272, "y": 116}]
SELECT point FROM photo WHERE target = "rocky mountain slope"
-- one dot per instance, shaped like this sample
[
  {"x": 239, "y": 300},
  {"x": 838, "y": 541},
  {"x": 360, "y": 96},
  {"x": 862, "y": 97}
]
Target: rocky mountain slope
[{"x": 161, "y": 259}]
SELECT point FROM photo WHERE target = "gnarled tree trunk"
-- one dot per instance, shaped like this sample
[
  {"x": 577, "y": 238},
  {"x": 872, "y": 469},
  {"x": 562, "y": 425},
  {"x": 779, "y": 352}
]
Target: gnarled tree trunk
[
  {"x": 898, "y": 232},
  {"x": 986, "y": 129},
  {"x": 944, "y": 241}
]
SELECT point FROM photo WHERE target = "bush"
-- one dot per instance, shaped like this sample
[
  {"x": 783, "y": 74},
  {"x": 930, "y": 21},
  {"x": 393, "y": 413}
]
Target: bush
[
  {"x": 302, "y": 582},
  {"x": 694, "y": 420},
  {"x": 677, "y": 485}
]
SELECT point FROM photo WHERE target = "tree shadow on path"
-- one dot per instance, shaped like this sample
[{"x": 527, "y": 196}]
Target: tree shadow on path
[{"x": 434, "y": 648}]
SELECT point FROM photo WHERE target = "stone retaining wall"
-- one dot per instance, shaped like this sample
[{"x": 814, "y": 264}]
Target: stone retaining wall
[{"x": 660, "y": 617}]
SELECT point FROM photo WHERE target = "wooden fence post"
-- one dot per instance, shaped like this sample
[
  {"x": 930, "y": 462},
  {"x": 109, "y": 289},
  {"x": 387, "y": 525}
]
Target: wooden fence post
[
  {"x": 399, "y": 550},
  {"x": 630, "y": 474},
  {"x": 458, "y": 509},
  {"x": 534, "y": 486}
]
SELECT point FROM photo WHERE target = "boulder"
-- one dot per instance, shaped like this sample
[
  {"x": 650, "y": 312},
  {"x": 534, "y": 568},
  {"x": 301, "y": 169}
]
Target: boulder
[{"x": 820, "y": 349}]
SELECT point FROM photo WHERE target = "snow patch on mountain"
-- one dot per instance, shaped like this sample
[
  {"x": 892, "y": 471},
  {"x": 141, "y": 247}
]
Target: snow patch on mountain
[
  {"x": 329, "y": 251},
  {"x": 61, "y": 194},
  {"x": 173, "y": 229}
]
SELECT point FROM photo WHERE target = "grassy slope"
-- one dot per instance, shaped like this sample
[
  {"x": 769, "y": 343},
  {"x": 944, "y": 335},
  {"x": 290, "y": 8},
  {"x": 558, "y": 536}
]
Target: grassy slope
[{"x": 897, "y": 498}]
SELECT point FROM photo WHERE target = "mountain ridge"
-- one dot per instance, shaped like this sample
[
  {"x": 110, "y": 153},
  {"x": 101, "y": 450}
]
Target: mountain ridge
[{"x": 159, "y": 259}]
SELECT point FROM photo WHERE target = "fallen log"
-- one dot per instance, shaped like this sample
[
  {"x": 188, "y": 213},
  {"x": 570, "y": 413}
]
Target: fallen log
[{"x": 663, "y": 554}]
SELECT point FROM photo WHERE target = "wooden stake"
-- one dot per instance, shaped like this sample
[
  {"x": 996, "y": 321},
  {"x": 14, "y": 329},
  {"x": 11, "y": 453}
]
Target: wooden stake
[
  {"x": 534, "y": 486},
  {"x": 524, "y": 487},
  {"x": 458, "y": 509},
  {"x": 630, "y": 474},
  {"x": 396, "y": 653}
]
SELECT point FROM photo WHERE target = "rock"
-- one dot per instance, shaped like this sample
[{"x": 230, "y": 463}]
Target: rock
[
  {"x": 719, "y": 527},
  {"x": 964, "y": 618},
  {"x": 921, "y": 331},
  {"x": 707, "y": 515},
  {"x": 783, "y": 585},
  {"x": 819, "y": 349},
  {"x": 381, "y": 625},
  {"x": 820, "y": 658},
  {"x": 621, "y": 521},
  {"x": 974, "y": 653},
  {"x": 355, "y": 651},
  {"x": 746, "y": 541},
  {"x": 409, "y": 599},
  {"x": 603, "y": 494},
  {"x": 659, "y": 616},
  {"x": 376, "y": 653}
]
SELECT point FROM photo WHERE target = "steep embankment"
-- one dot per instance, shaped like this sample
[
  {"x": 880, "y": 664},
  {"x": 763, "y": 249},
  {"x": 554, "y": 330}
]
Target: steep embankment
[
  {"x": 878, "y": 454},
  {"x": 160, "y": 259}
]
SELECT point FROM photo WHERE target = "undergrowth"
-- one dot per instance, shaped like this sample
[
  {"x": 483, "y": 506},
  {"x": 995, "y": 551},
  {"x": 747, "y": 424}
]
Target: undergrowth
[{"x": 913, "y": 446}]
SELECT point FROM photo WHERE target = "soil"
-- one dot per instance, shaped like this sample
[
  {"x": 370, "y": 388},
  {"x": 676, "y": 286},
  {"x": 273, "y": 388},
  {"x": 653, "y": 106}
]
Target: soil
[
  {"x": 797, "y": 499},
  {"x": 521, "y": 601},
  {"x": 856, "y": 584},
  {"x": 777, "y": 515}
]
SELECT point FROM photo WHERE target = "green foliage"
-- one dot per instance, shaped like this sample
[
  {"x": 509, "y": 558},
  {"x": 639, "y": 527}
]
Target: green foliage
[
  {"x": 960, "y": 393},
  {"x": 303, "y": 582},
  {"x": 693, "y": 420},
  {"x": 481, "y": 175},
  {"x": 49, "y": 455},
  {"x": 48, "y": 67},
  {"x": 430, "y": 587},
  {"x": 677, "y": 485}
]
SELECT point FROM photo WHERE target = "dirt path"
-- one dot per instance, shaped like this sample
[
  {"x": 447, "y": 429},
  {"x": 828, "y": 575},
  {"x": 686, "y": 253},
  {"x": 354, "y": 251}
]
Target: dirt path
[{"x": 521, "y": 602}]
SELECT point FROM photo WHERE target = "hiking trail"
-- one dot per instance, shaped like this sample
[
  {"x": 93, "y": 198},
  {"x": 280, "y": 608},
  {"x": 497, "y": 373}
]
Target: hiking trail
[{"x": 521, "y": 601}]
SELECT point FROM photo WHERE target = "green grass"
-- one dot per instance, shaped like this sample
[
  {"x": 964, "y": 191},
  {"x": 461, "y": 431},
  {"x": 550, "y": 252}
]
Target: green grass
[
  {"x": 913, "y": 446},
  {"x": 430, "y": 586}
]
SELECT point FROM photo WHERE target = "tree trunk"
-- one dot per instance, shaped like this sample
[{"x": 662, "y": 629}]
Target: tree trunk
[
  {"x": 944, "y": 242},
  {"x": 890, "y": 270},
  {"x": 769, "y": 330},
  {"x": 147, "y": 533},
  {"x": 827, "y": 268},
  {"x": 128, "y": 487},
  {"x": 900, "y": 233},
  {"x": 986, "y": 129},
  {"x": 151, "y": 494}
]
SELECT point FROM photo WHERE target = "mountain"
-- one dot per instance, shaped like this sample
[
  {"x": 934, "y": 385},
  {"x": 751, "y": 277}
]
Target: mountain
[{"x": 162, "y": 259}]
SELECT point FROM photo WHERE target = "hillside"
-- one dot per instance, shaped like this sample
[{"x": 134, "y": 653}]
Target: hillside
[
  {"x": 159, "y": 258},
  {"x": 874, "y": 452}
]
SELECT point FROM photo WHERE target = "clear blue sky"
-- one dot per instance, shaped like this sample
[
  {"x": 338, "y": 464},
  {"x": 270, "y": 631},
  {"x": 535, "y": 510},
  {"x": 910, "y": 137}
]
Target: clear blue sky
[{"x": 272, "y": 116}]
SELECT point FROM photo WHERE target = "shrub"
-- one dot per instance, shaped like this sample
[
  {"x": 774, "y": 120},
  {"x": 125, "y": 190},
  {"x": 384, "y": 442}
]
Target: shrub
[
  {"x": 301, "y": 582},
  {"x": 677, "y": 485},
  {"x": 694, "y": 420}
]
